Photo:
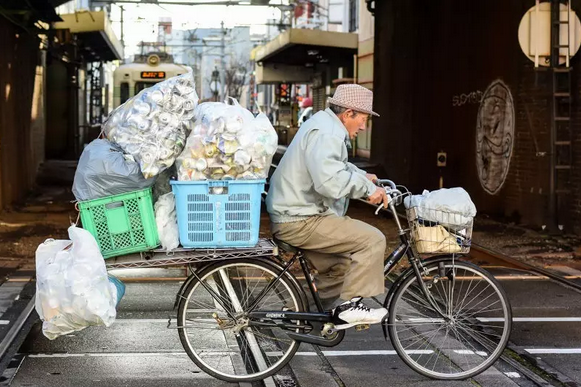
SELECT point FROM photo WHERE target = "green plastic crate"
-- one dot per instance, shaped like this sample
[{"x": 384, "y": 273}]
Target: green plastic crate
[{"x": 122, "y": 224}]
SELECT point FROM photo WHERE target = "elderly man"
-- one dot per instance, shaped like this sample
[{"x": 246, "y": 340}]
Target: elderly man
[{"x": 308, "y": 199}]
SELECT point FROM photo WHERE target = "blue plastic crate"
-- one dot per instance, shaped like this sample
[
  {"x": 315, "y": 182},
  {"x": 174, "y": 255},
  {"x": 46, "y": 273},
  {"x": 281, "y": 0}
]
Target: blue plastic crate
[{"x": 218, "y": 213}]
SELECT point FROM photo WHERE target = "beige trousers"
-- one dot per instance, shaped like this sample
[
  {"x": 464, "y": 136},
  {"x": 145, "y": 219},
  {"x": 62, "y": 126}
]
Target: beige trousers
[{"x": 347, "y": 254}]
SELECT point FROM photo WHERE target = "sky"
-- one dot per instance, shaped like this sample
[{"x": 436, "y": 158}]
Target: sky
[{"x": 140, "y": 21}]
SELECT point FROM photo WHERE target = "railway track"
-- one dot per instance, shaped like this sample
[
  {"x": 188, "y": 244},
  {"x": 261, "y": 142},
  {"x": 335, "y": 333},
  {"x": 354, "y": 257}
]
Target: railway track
[
  {"x": 493, "y": 257},
  {"x": 16, "y": 321}
]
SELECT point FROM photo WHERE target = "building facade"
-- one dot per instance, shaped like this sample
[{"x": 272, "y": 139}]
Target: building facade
[
  {"x": 452, "y": 80},
  {"x": 45, "y": 104},
  {"x": 202, "y": 49}
]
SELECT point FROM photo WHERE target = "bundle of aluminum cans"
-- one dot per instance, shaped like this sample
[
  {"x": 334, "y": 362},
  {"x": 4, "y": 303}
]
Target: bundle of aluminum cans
[
  {"x": 227, "y": 143},
  {"x": 153, "y": 126}
]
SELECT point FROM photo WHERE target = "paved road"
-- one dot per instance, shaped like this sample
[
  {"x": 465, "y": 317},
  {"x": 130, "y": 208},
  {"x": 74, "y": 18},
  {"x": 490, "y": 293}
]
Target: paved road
[
  {"x": 138, "y": 350},
  {"x": 547, "y": 322}
]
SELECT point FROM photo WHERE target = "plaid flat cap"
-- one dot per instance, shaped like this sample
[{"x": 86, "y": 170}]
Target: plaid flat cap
[{"x": 353, "y": 96}]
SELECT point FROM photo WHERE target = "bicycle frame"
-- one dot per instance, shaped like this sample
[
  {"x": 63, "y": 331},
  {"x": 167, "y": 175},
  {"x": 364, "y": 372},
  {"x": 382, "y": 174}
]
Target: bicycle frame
[{"x": 277, "y": 318}]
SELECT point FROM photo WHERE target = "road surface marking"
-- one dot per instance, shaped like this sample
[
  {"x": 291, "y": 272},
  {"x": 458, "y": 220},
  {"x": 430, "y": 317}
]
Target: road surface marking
[
  {"x": 532, "y": 319},
  {"x": 500, "y": 319},
  {"x": 537, "y": 351},
  {"x": 105, "y": 354},
  {"x": 364, "y": 353},
  {"x": 547, "y": 351}
]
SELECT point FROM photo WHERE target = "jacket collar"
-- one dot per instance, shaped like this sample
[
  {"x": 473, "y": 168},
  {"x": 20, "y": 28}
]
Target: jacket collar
[{"x": 338, "y": 122}]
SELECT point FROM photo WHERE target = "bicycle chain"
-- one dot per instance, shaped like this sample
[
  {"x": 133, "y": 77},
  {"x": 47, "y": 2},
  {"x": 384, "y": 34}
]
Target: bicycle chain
[
  {"x": 273, "y": 338},
  {"x": 224, "y": 325}
]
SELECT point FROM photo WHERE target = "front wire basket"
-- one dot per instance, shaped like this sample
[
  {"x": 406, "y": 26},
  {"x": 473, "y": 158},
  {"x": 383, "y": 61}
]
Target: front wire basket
[{"x": 435, "y": 231}]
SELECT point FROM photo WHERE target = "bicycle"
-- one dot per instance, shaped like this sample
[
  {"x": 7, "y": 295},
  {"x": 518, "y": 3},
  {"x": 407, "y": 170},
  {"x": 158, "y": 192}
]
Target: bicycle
[{"x": 243, "y": 320}]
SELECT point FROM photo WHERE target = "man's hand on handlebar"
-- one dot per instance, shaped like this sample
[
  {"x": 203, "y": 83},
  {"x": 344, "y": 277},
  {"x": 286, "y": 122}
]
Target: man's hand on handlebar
[
  {"x": 378, "y": 197},
  {"x": 371, "y": 177}
]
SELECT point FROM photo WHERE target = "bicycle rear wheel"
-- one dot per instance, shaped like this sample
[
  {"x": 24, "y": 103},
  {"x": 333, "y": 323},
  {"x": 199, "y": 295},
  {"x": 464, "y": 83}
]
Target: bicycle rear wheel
[
  {"x": 473, "y": 332},
  {"x": 214, "y": 326}
]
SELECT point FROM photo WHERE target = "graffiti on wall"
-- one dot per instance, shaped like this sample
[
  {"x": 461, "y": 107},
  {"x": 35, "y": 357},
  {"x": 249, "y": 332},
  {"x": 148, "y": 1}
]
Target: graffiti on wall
[
  {"x": 463, "y": 99},
  {"x": 494, "y": 136}
]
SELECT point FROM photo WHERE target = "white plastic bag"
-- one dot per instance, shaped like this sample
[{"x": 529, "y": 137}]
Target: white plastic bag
[
  {"x": 226, "y": 143},
  {"x": 436, "y": 206},
  {"x": 73, "y": 290},
  {"x": 153, "y": 125},
  {"x": 167, "y": 223}
]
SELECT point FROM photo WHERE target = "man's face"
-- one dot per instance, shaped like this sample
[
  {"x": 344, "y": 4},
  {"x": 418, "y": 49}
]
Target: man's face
[{"x": 355, "y": 122}]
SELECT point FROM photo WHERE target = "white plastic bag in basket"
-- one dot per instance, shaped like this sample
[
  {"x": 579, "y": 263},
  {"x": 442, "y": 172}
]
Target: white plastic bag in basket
[
  {"x": 446, "y": 205},
  {"x": 166, "y": 220},
  {"x": 72, "y": 287}
]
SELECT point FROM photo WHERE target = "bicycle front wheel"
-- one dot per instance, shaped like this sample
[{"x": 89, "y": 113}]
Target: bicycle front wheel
[
  {"x": 461, "y": 332},
  {"x": 214, "y": 327}
]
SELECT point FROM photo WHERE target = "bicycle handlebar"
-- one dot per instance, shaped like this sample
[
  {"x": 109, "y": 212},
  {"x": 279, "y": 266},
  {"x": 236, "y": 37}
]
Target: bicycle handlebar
[
  {"x": 392, "y": 191},
  {"x": 383, "y": 182}
]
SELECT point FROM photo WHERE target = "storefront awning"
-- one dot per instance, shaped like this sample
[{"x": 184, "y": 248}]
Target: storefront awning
[
  {"x": 253, "y": 53},
  {"x": 307, "y": 48},
  {"x": 93, "y": 28}
]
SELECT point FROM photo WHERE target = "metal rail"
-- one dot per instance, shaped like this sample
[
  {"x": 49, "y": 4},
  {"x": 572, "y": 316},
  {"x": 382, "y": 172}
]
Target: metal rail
[
  {"x": 16, "y": 327},
  {"x": 483, "y": 251}
]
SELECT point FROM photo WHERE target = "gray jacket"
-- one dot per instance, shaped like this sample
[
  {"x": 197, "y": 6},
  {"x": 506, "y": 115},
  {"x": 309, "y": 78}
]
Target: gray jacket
[{"x": 314, "y": 176}]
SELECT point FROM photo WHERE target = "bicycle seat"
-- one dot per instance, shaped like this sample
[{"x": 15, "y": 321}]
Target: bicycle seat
[{"x": 285, "y": 246}]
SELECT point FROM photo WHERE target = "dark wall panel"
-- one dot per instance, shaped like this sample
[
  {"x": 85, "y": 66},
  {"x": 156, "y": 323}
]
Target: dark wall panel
[
  {"x": 433, "y": 64},
  {"x": 20, "y": 56}
]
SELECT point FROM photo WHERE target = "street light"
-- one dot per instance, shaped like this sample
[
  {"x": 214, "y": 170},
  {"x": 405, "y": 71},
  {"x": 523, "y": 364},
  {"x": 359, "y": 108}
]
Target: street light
[{"x": 215, "y": 83}]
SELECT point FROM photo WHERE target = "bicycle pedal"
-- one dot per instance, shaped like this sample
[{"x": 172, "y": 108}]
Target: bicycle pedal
[{"x": 361, "y": 327}]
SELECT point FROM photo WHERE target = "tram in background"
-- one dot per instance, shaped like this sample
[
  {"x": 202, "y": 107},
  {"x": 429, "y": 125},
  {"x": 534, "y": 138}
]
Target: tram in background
[{"x": 146, "y": 70}]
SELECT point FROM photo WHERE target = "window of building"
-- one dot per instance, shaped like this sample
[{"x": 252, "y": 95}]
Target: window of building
[{"x": 353, "y": 15}]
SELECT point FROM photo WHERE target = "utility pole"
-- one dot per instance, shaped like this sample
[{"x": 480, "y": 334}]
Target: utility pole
[
  {"x": 222, "y": 65},
  {"x": 122, "y": 41}
]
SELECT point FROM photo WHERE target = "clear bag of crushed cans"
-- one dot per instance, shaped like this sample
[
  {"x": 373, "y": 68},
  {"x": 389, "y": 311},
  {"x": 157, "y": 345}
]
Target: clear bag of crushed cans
[
  {"x": 227, "y": 143},
  {"x": 153, "y": 125}
]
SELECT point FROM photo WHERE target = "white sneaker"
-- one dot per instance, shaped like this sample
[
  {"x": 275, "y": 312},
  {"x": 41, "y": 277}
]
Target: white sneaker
[{"x": 354, "y": 312}]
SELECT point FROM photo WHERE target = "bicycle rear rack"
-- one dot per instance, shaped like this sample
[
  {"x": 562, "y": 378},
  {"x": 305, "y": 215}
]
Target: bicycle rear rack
[{"x": 158, "y": 258}]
